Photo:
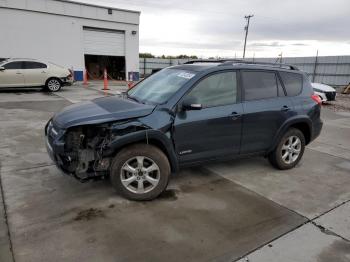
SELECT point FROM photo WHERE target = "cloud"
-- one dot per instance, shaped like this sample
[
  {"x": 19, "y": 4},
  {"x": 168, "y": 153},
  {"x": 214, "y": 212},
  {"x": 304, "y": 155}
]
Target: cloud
[
  {"x": 194, "y": 45},
  {"x": 299, "y": 44},
  {"x": 272, "y": 44},
  {"x": 207, "y": 26}
]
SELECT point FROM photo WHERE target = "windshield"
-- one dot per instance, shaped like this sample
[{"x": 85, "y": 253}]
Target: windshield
[{"x": 158, "y": 88}]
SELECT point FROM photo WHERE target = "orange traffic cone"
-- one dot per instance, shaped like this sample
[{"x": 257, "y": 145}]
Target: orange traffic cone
[
  {"x": 85, "y": 83},
  {"x": 105, "y": 80},
  {"x": 130, "y": 85},
  {"x": 130, "y": 82}
]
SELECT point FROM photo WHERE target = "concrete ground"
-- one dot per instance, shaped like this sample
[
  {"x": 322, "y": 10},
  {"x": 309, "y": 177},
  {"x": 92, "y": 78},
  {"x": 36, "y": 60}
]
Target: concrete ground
[{"x": 239, "y": 210}]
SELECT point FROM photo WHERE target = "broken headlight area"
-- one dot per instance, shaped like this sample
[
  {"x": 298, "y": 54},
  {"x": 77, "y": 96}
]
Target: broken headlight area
[{"x": 84, "y": 148}]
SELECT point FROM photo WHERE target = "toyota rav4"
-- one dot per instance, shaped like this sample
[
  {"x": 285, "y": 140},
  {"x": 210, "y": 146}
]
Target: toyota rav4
[{"x": 186, "y": 115}]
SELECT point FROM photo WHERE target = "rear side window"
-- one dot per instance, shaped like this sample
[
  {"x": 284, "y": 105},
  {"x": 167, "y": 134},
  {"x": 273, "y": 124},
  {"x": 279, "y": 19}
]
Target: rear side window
[
  {"x": 259, "y": 85},
  {"x": 216, "y": 90},
  {"x": 34, "y": 65},
  {"x": 292, "y": 82},
  {"x": 14, "y": 65}
]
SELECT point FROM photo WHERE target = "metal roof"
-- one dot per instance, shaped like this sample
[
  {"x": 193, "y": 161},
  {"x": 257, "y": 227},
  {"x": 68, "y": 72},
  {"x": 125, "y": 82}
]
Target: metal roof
[{"x": 100, "y": 6}]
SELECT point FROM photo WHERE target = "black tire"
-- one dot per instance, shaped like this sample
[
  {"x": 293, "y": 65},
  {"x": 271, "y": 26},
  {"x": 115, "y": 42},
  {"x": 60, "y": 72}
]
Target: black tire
[
  {"x": 53, "y": 84},
  {"x": 275, "y": 157},
  {"x": 149, "y": 152}
]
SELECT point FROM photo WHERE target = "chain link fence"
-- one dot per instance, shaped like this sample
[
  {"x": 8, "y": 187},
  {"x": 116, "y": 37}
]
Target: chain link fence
[{"x": 330, "y": 70}]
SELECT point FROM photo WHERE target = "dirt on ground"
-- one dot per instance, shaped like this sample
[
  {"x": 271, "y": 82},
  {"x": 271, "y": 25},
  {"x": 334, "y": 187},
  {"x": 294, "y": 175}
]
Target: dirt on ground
[
  {"x": 341, "y": 103},
  {"x": 88, "y": 214}
]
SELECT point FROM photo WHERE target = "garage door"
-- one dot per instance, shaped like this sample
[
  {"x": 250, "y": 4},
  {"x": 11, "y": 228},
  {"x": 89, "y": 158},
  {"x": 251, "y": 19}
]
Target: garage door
[{"x": 104, "y": 42}]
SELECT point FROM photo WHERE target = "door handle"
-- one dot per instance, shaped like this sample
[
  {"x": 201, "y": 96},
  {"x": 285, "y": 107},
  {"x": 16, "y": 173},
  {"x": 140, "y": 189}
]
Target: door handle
[
  {"x": 235, "y": 116},
  {"x": 285, "y": 108},
  {"x": 43, "y": 72},
  {"x": 18, "y": 73}
]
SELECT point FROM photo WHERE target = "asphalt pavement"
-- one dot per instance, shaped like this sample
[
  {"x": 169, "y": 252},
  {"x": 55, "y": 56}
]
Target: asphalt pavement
[{"x": 238, "y": 210}]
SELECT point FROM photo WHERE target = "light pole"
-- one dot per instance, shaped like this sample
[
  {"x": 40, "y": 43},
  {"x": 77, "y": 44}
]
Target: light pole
[{"x": 246, "y": 28}]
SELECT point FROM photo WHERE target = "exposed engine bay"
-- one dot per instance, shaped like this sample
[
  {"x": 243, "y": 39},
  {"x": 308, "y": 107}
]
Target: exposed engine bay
[
  {"x": 83, "y": 151},
  {"x": 85, "y": 146}
]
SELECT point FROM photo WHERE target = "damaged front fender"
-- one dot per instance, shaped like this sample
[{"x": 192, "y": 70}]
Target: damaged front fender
[{"x": 147, "y": 136}]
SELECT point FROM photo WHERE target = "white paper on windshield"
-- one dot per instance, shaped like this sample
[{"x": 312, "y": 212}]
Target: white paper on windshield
[{"x": 185, "y": 75}]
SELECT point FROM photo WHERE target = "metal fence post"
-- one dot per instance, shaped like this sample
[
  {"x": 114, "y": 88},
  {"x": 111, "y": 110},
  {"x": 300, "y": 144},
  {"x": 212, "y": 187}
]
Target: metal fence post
[
  {"x": 144, "y": 67},
  {"x": 315, "y": 67}
]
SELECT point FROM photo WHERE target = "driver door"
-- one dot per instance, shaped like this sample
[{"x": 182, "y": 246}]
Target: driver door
[
  {"x": 214, "y": 131},
  {"x": 13, "y": 75}
]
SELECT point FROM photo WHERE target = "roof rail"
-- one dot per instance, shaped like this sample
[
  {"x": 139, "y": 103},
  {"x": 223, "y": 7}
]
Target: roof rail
[
  {"x": 204, "y": 61},
  {"x": 277, "y": 65},
  {"x": 22, "y": 58},
  {"x": 238, "y": 61}
]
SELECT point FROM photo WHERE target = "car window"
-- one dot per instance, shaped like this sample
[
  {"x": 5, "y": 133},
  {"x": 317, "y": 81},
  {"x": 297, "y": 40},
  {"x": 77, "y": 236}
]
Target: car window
[
  {"x": 259, "y": 85},
  {"x": 216, "y": 90},
  {"x": 292, "y": 82},
  {"x": 34, "y": 65},
  {"x": 14, "y": 65}
]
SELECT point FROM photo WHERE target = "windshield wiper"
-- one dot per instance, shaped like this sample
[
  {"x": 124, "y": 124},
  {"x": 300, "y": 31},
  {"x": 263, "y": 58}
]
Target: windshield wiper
[{"x": 134, "y": 98}]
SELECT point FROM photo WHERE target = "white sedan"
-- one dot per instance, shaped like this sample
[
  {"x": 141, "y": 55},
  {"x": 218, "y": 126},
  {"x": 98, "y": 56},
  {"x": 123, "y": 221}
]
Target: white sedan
[
  {"x": 325, "y": 92},
  {"x": 17, "y": 72}
]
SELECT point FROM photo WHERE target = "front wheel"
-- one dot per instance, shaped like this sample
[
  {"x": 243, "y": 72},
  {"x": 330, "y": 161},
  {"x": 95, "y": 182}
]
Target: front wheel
[
  {"x": 53, "y": 84},
  {"x": 140, "y": 172},
  {"x": 289, "y": 151}
]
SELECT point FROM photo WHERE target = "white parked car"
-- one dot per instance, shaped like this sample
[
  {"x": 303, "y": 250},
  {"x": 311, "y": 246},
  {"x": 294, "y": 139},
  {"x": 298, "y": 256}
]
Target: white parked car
[
  {"x": 17, "y": 72},
  {"x": 325, "y": 92}
]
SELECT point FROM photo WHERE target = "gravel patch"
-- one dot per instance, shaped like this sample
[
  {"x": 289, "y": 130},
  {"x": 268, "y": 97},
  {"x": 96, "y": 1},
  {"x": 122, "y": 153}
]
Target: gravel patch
[{"x": 342, "y": 103}]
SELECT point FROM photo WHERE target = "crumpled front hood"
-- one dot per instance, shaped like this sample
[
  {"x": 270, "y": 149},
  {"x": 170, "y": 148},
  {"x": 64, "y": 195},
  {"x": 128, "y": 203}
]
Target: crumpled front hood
[{"x": 100, "y": 110}]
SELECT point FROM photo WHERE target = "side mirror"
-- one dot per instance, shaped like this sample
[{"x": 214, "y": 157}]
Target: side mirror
[
  {"x": 2, "y": 68},
  {"x": 190, "y": 103}
]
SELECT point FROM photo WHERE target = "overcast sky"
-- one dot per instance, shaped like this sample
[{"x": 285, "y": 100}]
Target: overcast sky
[{"x": 216, "y": 28}]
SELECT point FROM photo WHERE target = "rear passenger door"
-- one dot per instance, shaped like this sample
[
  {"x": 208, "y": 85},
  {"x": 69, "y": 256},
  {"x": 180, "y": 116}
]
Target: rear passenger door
[
  {"x": 266, "y": 108},
  {"x": 35, "y": 73}
]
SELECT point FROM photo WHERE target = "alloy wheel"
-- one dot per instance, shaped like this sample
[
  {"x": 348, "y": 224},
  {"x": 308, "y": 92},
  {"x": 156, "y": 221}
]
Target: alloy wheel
[
  {"x": 291, "y": 149},
  {"x": 140, "y": 174},
  {"x": 53, "y": 85}
]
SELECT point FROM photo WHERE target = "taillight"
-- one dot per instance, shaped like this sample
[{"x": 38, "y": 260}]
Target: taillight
[
  {"x": 71, "y": 74},
  {"x": 316, "y": 98}
]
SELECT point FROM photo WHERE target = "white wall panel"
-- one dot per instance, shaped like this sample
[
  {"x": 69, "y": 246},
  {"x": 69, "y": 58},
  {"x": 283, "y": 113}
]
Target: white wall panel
[{"x": 59, "y": 38}]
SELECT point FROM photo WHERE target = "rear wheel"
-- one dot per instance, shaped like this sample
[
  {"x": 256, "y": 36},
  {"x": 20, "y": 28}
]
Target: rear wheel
[
  {"x": 53, "y": 84},
  {"x": 289, "y": 150},
  {"x": 140, "y": 172}
]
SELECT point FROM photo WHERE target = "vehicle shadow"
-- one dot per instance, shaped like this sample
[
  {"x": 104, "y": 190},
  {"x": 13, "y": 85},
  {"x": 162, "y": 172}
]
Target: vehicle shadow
[{"x": 18, "y": 90}]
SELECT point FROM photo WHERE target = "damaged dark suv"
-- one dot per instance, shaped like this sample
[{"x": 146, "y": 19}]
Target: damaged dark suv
[{"x": 186, "y": 115}]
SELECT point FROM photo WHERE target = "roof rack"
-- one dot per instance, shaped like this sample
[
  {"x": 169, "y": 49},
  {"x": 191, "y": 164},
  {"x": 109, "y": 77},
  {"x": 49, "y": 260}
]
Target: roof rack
[
  {"x": 237, "y": 61},
  {"x": 22, "y": 58},
  {"x": 204, "y": 61},
  {"x": 278, "y": 65}
]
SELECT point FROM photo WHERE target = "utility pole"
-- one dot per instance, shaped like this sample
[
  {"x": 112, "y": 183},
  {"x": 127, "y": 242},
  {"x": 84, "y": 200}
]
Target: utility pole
[{"x": 246, "y": 28}]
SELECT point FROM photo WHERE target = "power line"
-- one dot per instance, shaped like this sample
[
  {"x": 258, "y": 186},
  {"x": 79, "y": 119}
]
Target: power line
[{"x": 246, "y": 28}]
